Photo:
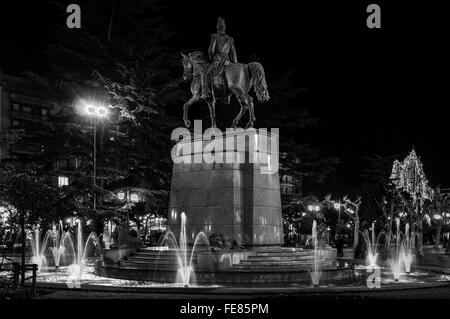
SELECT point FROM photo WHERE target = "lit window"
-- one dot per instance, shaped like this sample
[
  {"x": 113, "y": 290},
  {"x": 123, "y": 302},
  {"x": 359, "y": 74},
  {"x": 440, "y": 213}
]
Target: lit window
[
  {"x": 134, "y": 197},
  {"x": 16, "y": 107},
  {"x": 44, "y": 111},
  {"x": 63, "y": 181},
  {"x": 15, "y": 123},
  {"x": 26, "y": 109}
]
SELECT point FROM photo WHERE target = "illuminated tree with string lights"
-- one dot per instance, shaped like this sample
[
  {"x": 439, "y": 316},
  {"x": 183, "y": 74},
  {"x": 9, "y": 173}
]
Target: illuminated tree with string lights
[{"x": 412, "y": 186}]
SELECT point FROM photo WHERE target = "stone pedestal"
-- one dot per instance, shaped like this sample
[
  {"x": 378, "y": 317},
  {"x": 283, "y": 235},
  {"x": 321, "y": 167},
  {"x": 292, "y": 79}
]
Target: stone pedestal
[{"x": 236, "y": 194}]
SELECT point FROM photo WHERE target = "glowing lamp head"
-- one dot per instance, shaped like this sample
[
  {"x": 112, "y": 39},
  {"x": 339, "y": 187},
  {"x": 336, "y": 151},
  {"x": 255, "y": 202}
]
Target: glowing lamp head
[
  {"x": 317, "y": 208},
  {"x": 337, "y": 206},
  {"x": 310, "y": 208},
  {"x": 95, "y": 110},
  {"x": 102, "y": 111},
  {"x": 91, "y": 110},
  {"x": 121, "y": 195}
]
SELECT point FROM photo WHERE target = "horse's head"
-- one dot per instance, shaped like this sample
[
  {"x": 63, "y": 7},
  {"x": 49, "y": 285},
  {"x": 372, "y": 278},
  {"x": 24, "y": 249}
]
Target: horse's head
[
  {"x": 193, "y": 64},
  {"x": 187, "y": 67}
]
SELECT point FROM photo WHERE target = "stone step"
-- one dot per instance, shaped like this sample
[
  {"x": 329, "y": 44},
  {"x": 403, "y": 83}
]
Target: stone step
[
  {"x": 146, "y": 262},
  {"x": 154, "y": 262},
  {"x": 287, "y": 253},
  {"x": 149, "y": 269},
  {"x": 277, "y": 263},
  {"x": 150, "y": 254},
  {"x": 259, "y": 258},
  {"x": 162, "y": 257},
  {"x": 268, "y": 268}
]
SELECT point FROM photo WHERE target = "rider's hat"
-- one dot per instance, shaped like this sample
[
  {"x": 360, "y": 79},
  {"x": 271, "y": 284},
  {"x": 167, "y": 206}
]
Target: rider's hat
[{"x": 221, "y": 24}]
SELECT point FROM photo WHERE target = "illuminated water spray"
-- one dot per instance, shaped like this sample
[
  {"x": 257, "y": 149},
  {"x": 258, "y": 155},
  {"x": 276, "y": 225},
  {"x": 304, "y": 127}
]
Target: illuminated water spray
[
  {"x": 315, "y": 273},
  {"x": 186, "y": 272}
]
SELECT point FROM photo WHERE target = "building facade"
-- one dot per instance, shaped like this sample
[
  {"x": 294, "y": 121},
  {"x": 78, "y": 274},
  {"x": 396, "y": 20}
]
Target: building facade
[{"x": 20, "y": 102}]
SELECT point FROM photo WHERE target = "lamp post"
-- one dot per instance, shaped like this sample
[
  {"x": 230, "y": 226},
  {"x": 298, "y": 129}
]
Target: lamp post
[
  {"x": 128, "y": 208},
  {"x": 95, "y": 112},
  {"x": 337, "y": 206}
]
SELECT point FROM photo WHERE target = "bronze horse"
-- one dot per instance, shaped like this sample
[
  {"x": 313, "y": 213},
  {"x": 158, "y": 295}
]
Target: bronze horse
[{"x": 237, "y": 79}]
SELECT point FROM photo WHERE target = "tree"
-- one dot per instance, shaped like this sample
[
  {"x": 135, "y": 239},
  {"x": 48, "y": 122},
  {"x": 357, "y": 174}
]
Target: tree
[
  {"x": 287, "y": 111},
  {"x": 439, "y": 208},
  {"x": 352, "y": 209},
  {"x": 34, "y": 197},
  {"x": 379, "y": 199},
  {"x": 121, "y": 61},
  {"x": 412, "y": 187}
]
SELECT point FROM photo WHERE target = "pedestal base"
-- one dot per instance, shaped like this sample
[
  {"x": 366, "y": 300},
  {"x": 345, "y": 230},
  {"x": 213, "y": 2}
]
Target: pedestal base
[{"x": 240, "y": 199}]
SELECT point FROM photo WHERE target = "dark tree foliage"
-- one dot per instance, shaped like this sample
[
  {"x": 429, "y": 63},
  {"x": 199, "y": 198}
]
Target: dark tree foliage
[
  {"x": 376, "y": 190},
  {"x": 118, "y": 59},
  {"x": 286, "y": 110},
  {"x": 35, "y": 198}
]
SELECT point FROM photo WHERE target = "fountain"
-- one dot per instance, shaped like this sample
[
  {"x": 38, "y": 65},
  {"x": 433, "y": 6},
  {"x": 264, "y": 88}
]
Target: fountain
[
  {"x": 395, "y": 252},
  {"x": 409, "y": 244},
  {"x": 38, "y": 254},
  {"x": 186, "y": 273},
  {"x": 315, "y": 273},
  {"x": 62, "y": 242},
  {"x": 77, "y": 268},
  {"x": 372, "y": 243}
]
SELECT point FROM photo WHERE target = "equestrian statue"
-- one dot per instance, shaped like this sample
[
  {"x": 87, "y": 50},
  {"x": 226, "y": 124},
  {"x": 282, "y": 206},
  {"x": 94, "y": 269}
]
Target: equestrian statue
[{"x": 223, "y": 77}]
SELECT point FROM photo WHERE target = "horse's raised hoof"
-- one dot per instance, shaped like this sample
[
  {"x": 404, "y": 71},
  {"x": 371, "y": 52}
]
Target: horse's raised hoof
[
  {"x": 187, "y": 123},
  {"x": 249, "y": 125}
]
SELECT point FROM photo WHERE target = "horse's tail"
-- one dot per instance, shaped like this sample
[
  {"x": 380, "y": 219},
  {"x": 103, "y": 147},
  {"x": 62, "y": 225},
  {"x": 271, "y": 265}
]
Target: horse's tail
[{"x": 259, "y": 81}]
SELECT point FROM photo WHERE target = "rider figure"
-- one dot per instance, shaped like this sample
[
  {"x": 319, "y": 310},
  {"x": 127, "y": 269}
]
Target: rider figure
[{"x": 221, "y": 52}]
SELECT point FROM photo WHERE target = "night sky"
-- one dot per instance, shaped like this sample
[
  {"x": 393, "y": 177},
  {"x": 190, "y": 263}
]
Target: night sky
[{"x": 374, "y": 91}]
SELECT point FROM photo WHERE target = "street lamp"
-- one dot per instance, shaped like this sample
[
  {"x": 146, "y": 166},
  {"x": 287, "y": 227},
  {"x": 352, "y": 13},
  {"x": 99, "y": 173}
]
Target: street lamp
[
  {"x": 121, "y": 195},
  {"x": 95, "y": 112}
]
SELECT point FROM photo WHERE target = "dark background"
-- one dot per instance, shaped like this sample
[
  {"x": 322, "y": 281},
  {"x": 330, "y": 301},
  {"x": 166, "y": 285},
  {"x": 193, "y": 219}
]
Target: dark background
[{"x": 374, "y": 91}]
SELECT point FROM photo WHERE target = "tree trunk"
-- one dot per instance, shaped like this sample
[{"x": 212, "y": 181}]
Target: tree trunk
[
  {"x": 438, "y": 236},
  {"x": 24, "y": 241},
  {"x": 356, "y": 234},
  {"x": 391, "y": 218},
  {"x": 420, "y": 237},
  {"x": 146, "y": 229}
]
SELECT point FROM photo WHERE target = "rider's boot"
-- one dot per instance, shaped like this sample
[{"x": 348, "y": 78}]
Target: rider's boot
[{"x": 206, "y": 91}]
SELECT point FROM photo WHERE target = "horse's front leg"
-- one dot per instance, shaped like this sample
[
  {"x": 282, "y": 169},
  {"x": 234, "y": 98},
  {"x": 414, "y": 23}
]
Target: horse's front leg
[
  {"x": 186, "y": 105},
  {"x": 212, "y": 112}
]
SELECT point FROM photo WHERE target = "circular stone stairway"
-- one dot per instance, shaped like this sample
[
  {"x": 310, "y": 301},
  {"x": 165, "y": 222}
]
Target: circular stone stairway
[{"x": 280, "y": 265}]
